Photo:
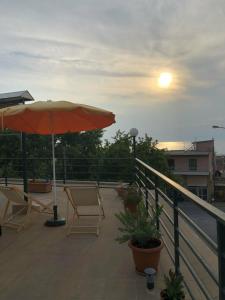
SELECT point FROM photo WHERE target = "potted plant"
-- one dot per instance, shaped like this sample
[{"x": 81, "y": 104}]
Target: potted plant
[
  {"x": 121, "y": 189},
  {"x": 144, "y": 238},
  {"x": 39, "y": 186},
  {"x": 174, "y": 288},
  {"x": 131, "y": 199}
]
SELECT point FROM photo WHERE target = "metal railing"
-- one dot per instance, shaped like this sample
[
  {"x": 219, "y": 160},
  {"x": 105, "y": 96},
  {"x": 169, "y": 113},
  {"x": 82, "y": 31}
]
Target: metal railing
[
  {"x": 74, "y": 168},
  {"x": 159, "y": 189},
  {"x": 156, "y": 188}
]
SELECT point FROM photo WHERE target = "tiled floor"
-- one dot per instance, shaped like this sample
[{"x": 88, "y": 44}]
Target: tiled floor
[{"x": 43, "y": 263}]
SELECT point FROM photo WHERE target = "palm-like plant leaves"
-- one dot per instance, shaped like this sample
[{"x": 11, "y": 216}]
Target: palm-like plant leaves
[
  {"x": 140, "y": 228},
  {"x": 174, "y": 288}
]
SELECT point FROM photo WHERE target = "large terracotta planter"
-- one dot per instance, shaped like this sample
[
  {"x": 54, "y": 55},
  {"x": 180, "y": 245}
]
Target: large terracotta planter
[
  {"x": 163, "y": 296},
  {"x": 131, "y": 207},
  {"x": 144, "y": 258},
  {"x": 39, "y": 187},
  {"x": 121, "y": 191}
]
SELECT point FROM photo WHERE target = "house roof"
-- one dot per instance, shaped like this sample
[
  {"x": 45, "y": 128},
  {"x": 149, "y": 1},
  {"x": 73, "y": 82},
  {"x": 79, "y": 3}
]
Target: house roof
[
  {"x": 186, "y": 153},
  {"x": 205, "y": 141},
  {"x": 15, "y": 97}
]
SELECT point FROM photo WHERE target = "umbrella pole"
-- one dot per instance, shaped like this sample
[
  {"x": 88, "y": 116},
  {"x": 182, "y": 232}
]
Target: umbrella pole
[
  {"x": 54, "y": 179},
  {"x": 56, "y": 221}
]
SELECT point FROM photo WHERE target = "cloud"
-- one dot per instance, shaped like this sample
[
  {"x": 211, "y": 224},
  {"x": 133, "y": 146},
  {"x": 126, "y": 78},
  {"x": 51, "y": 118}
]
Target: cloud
[
  {"x": 111, "y": 52},
  {"x": 84, "y": 67}
]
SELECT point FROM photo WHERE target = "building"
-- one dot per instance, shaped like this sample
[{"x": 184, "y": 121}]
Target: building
[
  {"x": 14, "y": 98},
  {"x": 196, "y": 167}
]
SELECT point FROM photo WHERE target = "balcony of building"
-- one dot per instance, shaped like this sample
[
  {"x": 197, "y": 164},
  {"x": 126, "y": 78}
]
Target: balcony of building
[{"x": 44, "y": 263}]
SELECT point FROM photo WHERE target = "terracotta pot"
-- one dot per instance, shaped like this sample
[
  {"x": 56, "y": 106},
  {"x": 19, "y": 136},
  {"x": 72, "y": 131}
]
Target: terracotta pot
[
  {"x": 164, "y": 297},
  {"x": 121, "y": 191},
  {"x": 39, "y": 187},
  {"x": 144, "y": 258},
  {"x": 131, "y": 207}
]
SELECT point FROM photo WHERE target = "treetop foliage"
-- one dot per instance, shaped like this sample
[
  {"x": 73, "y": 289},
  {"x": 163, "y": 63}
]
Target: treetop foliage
[{"x": 83, "y": 148}]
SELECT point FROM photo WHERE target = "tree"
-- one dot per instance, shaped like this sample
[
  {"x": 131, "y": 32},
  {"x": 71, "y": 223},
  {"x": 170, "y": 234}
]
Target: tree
[
  {"x": 10, "y": 152},
  {"x": 147, "y": 151},
  {"x": 79, "y": 148},
  {"x": 121, "y": 148},
  {"x": 81, "y": 151},
  {"x": 83, "y": 155}
]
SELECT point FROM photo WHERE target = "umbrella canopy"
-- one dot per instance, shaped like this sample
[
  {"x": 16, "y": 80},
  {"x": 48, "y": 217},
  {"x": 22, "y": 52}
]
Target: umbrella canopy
[{"x": 49, "y": 117}]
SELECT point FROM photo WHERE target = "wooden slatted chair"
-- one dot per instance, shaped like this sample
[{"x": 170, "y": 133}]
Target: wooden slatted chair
[
  {"x": 83, "y": 197},
  {"x": 25, "y": 203}
]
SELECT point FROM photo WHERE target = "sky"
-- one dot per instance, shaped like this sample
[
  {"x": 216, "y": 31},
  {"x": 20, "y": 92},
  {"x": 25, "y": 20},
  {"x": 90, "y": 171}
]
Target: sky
[{"x": 110, "y": 54}]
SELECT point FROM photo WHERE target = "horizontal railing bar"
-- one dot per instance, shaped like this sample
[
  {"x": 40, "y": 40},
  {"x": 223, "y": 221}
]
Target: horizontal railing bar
[
  {"x": 151, "y": 206},
  {"x": 167, "y": 216},
  {"x": 146, "y": 177},
  {"x": 194, "y": 251},
  {"x": 140, "y": 172},
  {"x": 138, "y": 185},
  {"x": 167, "y": 231},
  {"x": 165, "y": 197},
  {"x": 67, "y": 158},
  {"x": 167, "y": 248},
  {"x": 143, "y": 185},
  {"x": 204, "y": 236},
  {"x": 201, "y": 285},
  {"x": 151, "y": 194},
  {"x": 143, "y": 192},
  {"x": 188, "y": 290},
  {"x": 150, "y": 181},
  {"x": 204, "y": 264},
  {"x": 171, "y": 257},
  {"x": 213, "y": 211}
]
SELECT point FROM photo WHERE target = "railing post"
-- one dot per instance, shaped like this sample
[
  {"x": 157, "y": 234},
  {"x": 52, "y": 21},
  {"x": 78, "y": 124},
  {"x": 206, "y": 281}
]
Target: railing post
[
  {"x": 221, "y": 258},
  {"x": 64, "y": 166},
  {"x": 146, "y": 190},
  {"x": 24, "y": 163},
  {"x": 156, "y": 200},
  {"x": 134, "y": 169},
  {"x": 33, "y": 168},
  {"x": 6, "y": 177},
  {"x": 176, "y": 236}
]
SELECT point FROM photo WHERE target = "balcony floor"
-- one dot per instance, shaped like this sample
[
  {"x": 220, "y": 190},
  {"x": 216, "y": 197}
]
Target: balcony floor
[{"x": 43, "y": 263}]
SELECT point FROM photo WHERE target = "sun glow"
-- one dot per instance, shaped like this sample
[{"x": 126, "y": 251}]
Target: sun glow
[{"x": 165, "y": 79}]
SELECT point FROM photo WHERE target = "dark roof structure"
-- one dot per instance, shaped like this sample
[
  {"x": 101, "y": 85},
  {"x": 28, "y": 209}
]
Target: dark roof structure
[
  {"x": 14, "y": 98},
  {"x": 186, "y": 153}
]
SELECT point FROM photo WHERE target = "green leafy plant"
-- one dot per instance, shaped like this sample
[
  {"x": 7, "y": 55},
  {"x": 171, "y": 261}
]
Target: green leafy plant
[
  {"x": 174, "y": 288},
  {"x": 132, "y": 195},
  {"x": 139, "y": 228}
]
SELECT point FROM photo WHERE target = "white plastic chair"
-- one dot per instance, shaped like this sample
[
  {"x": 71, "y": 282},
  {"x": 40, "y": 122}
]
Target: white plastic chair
[
  {"x": 25, "y": 202},
  {"x": 84, "y": 197}
]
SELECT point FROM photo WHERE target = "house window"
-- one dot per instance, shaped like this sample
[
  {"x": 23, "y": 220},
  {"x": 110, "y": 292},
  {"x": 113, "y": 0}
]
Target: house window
[
  {"x": 199, "y": 191},
  {"x": 192, "y": 164},
  {"x": 202, "y": 193},
  {"x": 193, "y": 189},
  {"x": 171, "y": 164}
]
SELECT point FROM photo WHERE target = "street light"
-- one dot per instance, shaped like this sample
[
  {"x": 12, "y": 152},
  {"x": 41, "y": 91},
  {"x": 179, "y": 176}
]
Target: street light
[
  {"x": 216, "y": 126},
  {"x": 133, "y": 133}
]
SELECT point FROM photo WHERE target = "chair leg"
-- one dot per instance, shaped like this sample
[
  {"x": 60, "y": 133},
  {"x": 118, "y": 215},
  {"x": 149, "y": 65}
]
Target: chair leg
[
  {"x": 5, "y": 212},
  {"x": 70, "y": 226},
  {"x": 97, "y": 231},
  {"x": 27, "y": 217},
  {"x": 103, "y": 212}
]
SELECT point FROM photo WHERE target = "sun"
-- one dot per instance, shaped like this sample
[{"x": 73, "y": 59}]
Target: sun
[{"x": 165, "y": 79}]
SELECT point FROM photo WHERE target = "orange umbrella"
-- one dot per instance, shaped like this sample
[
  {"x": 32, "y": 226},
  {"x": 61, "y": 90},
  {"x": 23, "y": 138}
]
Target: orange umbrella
[{"x": 49, "y": 117}]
